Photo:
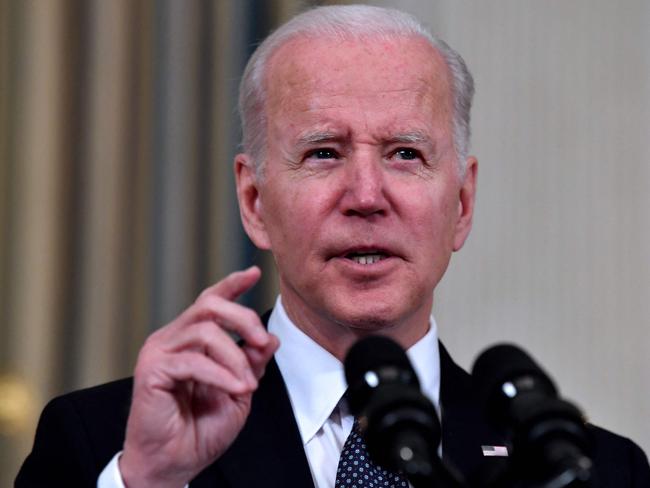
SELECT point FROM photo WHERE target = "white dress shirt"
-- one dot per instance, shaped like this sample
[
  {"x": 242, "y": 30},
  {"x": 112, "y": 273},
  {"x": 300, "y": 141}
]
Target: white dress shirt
[{"x": 316, "y": 383}]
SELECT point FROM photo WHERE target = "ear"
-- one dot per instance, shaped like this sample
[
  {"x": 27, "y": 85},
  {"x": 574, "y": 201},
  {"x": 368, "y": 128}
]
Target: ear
[
  {"x": 466, "y": 199},
  {"x": 250, "y": 203}
]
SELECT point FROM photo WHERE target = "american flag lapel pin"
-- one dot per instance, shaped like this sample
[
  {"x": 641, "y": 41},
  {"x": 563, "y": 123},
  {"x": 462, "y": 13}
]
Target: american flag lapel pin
[{"x": 495, "y": 451}]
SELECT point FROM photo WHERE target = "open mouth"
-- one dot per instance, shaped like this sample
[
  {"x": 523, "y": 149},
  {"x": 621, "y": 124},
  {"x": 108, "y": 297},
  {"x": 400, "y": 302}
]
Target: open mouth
[{"x": 366, "y": 257}]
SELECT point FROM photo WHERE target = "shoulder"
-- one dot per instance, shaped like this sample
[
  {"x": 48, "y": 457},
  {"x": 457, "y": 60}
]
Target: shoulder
[
  {"x": 101, "y": 396},
  {"x": 114, "y": 397},
  {"x": 77, "y": 434},
  {"x": 98, "y": 413},
  {"x": 618, "y": 461}
]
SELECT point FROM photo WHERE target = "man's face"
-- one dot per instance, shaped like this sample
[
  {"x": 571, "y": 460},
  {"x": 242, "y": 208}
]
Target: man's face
[{"x": 361, "y": 201}]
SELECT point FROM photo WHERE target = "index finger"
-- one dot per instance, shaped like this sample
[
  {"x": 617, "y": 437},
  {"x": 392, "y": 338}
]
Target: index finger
[
  {"x": 240, "y": 321},
  {"x": 234, "y": 285}
]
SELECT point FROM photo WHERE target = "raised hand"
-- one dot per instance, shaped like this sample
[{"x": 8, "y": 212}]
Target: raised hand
[{"x": 193, "y": 386}]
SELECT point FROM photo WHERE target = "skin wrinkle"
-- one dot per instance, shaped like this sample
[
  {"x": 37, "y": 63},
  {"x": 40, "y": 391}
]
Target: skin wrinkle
[
  {"x": 294, "y": 165},
  {"x": 390, "y": 134},
  {"x": 320, "y": 140},
  {"x": 328, "y": 99},
  {"x": 412, "y": 136},
  {"x": 304, "y": 82}
]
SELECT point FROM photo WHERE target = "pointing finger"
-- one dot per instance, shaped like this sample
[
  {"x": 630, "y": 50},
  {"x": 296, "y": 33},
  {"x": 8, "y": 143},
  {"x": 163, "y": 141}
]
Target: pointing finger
[{"x": 235, "y": 284}]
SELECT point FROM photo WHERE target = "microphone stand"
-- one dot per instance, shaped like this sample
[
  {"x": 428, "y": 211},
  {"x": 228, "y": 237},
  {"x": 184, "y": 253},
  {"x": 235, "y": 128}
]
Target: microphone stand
[
  {"x": 441, "y": 477},
  {"x": 422, "y": 467}
]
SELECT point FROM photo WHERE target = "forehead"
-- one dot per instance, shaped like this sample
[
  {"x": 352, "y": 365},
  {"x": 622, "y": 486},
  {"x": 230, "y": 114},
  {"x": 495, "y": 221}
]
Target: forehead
[{"x": 316, "y": 75}]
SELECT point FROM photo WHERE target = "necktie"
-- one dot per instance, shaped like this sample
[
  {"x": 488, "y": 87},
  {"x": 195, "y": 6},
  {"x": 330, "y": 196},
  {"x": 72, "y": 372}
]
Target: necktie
[{"x": 356, "y": 470}]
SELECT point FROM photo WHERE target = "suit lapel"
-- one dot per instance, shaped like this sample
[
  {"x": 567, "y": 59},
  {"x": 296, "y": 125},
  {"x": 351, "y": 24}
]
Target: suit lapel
[
  {"x": 268, "y": 451},
  {"x": 464, "y": 429}
]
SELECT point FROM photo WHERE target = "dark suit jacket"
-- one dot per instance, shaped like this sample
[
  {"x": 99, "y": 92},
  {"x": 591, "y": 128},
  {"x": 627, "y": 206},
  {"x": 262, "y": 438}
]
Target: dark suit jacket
[{"x": 80, "y": 432}]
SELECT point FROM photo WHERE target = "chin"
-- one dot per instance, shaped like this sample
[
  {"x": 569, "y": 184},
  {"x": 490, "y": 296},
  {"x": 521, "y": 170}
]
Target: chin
[
  {"x": 367, "y": 323},
  {"x": 369, "y": 318},
  {"x": 381, "y": 310}
]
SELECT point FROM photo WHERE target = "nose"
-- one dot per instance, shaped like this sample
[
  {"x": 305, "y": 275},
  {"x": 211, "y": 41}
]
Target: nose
[{"x": 365, "y": 187}]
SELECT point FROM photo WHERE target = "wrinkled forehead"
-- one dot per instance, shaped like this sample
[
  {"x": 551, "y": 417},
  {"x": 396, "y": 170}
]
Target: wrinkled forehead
[{"x": 315, "y": 70}]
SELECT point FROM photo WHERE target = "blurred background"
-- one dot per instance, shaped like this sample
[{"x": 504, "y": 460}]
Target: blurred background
[{"x": 117, "y": 206}]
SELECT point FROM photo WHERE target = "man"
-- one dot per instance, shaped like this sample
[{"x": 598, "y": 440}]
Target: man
[{"x": 356, "y": 177}]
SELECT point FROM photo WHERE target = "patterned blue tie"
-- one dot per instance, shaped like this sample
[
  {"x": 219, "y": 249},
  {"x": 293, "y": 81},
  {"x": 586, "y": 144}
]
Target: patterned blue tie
[{"x": 358, "y": 471}]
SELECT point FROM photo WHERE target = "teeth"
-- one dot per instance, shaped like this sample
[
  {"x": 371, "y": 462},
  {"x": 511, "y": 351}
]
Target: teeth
[{"x": 367, "y": 258}]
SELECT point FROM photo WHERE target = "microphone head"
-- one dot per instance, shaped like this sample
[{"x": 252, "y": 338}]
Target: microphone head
[
  {"x": 548, "y": 434},
  {"x": 504, "y": 371},
  {"x": 375, "y": 361},
  {"x": 394, "y": 416}
]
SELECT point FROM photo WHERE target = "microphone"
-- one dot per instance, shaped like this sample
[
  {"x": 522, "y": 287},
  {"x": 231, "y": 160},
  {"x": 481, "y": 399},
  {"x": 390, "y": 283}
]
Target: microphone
[
  {"x": 550, "y": 441},
  {"x": 399, "y": 424}
]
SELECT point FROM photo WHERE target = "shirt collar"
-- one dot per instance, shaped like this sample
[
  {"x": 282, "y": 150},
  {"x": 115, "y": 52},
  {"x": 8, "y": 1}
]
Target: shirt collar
[{"x": 315, "y": 378}]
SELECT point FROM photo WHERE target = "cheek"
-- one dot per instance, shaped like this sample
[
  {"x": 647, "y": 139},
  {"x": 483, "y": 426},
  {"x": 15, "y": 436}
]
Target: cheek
[
  {"x": 291, "y": 215},
  {"x": 433, "y": 223},
  {"x": 310, "y": 197}
]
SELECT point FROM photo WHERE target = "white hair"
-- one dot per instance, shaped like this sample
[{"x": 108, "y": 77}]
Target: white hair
[{"x": 347, "y": 22}]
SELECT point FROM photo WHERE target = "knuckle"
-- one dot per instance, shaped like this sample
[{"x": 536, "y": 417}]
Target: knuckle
[
  {"x": 210, "y": 305},
  {"x": 206, "y": 333},
  {"x": 143, "y": 366},
  {"x": 251, "y": 317},
  {"x": 145, "y": 352}
]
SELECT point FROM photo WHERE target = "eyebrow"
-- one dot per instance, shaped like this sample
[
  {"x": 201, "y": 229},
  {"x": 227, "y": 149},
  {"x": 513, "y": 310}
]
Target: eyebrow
[
  {"x": 415, "y": 137},
  {"x": 317, "y": 137}
]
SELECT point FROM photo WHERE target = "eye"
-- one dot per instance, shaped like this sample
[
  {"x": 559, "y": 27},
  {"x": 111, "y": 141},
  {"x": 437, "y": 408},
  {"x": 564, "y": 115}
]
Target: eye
[
  {"x": 322, "y": 153},
  {"x": 407, "y": 154}
]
